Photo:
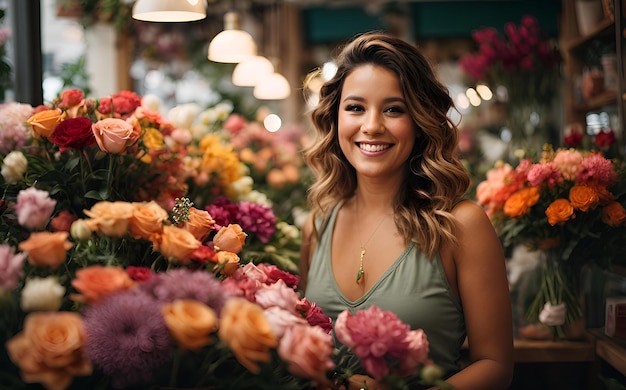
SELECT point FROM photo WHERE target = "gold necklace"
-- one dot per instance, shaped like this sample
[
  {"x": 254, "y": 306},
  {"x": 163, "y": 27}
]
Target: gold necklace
[{"x": 360, "y": 275}]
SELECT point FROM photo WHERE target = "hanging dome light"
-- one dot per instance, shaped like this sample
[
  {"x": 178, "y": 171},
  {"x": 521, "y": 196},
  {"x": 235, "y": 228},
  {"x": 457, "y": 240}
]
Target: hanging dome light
[
  {"x": 232, "y": 45},
  {"x": 272, "y": 87},
  {"x": 249, "y": 72},
  {"x": 169, "y": 10}
]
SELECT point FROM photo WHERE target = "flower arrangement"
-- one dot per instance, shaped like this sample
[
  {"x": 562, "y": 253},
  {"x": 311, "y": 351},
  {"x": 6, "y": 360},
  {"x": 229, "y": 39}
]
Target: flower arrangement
[
  {"x": 112, "y": 277},
  {"x": 524, "y": 60},
  {"x": 569, "y": 205}
]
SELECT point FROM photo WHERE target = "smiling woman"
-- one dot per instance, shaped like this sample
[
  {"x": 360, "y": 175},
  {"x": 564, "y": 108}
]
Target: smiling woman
[{"x": 387, "y": 208}]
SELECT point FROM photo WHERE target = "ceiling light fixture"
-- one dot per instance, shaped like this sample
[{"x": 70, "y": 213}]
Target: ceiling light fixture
[
  {"x": 232, "y": 45},
  {"x": 169, "y": 10},
  {"x": 272, "y": 87},
  {"x": 250, "y": 72}
]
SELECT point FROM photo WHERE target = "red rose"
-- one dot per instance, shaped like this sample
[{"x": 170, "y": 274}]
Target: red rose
[
  {"x": 139, "y": 274},
  {"x": 120, "y": 105},
  {"x": 72, "y": 97},
  {"x": 605, "y": 138},
  {"x": 73, "y": 133}
]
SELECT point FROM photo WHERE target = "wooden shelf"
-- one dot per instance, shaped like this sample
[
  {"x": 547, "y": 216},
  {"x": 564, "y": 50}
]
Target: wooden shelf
[
  {"x": 610, "y": 349},
  {"x": 532, "y": 351},
  {"x": 603, "y": 29}
]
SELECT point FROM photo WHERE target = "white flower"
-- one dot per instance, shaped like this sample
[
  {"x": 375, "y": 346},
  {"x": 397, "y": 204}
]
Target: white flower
[
  {"x": 42, "y": 294},
  {"x": 257, "y": 197},
  {"x": 243, "y": 185},
  {"x": 13, "y": 166}
]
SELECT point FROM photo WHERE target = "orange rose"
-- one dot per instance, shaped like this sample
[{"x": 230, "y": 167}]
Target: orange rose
[
  {"x": 190, "y": 322},
  {"x": 175, "y": 243},
  {"x": 44, "y": 122},
  {"x": 583, "y": 197},
  {"x": 50, "y": 349},
  {"x": 559, "y": 212},
  {"x": 228, "y": 262},
  {"x": 520, "y": 202},
  {"x": 113, "y": 135},
  {"x": 147, "y": 219},
  {"x": 46, "y": 248},
  {"x": 200, "y": 223},
  {"x": 613, "y": 214},
  {"x": 247, "y": 333},
  {"x": 230, "y": 238},
  {"x": 96, "y": 282},
  {"x": 110, "y": 218}
]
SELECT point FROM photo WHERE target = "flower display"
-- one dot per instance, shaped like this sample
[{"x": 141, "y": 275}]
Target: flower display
[
  {"x": 569, "y": 205},
  {"x": 112, "y": 276},
  {"x": 524, "y": 60}
]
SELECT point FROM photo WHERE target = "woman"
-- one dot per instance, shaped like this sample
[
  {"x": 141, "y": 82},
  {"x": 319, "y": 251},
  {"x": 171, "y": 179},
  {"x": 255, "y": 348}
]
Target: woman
[{"x": 388, "y": 225}]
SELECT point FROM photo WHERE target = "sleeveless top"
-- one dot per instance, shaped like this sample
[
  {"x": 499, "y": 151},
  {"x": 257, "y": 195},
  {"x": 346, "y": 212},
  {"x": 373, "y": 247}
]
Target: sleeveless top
[{"x": 414, "y": 288}]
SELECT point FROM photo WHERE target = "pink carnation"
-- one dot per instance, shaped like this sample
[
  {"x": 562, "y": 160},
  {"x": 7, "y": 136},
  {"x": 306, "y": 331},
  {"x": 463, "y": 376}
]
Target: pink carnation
[
  {"x": 567, "y": 161},
  {"x": 34, "y": 208},
  {"x": 595, "y": 169},
  {"x": 546, "y": 173},
  {"x": 10, "y": 267}
]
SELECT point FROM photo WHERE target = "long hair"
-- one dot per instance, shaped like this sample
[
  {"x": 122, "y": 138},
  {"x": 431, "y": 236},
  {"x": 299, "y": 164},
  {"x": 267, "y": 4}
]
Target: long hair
[{"x": 436, "y": 178}]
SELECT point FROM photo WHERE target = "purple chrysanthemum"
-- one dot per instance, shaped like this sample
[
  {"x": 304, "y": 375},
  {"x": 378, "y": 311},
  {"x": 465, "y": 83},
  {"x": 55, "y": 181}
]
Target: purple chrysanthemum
[
  {"x": 187, "y": 284},
  {"x": 256, "y": 218},
  {"x": 223, "y": 211},
  {"x": 127, "y": 337}
]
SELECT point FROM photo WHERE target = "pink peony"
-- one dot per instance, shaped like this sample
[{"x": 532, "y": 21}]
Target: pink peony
[
  {"x": 34, "y": 208},
  {"x": 281, "y": 320},
  {"x": 277, "y": 294},
  {"x": 10, "y": 267}
]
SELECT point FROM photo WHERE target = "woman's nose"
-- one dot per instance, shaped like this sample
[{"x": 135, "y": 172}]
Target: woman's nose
[{"x": 373, "y": 123}]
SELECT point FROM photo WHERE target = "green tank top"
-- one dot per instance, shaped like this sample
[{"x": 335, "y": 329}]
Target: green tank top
[{"x": 414, "y": 288}]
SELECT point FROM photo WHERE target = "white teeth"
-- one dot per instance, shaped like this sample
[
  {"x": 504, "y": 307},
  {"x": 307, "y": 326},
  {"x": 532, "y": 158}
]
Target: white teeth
[{"x": 373, "y": 148}]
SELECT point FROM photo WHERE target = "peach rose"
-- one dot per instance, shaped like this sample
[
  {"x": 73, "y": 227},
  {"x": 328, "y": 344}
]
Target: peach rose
[
  {"x": 175, "y": 243},
  {"x": 613, "y": 214},
  {"x": 50, "y": 349},
  {"x": 200, "y": 223},
  {"x": 113, "y": 135},
  {"x": 559, "y": 212},
  {"x": 147, "y": 219},
  {"x": 95, "y": 282},
  {"x": 190, "y": 322},
  {"x": 110, "y": 218},
  {"x": 230, "y": 238},
  {"x": 45, "y": 122},
  {"x": 583, "y": 197},
  {"x": 307, "y": 351},
  {"x": 46, "y": 249},
  {"x": 520, "y": 202},
  {"x": 246, "y": 331}
]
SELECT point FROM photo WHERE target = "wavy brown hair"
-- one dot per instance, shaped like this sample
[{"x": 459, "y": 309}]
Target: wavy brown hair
[{"x": 435, "y": 180}]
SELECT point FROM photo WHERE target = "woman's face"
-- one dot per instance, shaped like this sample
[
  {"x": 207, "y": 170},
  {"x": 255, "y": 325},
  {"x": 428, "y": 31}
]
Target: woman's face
[{"x": 376, "y": 132}]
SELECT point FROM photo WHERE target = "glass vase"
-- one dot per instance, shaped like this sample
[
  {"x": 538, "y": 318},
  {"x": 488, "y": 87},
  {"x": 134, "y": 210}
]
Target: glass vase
[{"x": 530, "y": 126}]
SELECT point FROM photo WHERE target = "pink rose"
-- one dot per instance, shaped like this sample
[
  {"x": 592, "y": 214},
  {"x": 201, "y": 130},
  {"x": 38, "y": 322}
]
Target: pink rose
[
  {"x": 10, "y": 267},
  {"x": 280, "y": 320},
  {"x": 307, "y": 351},
  {"x": 277, "y": 294},
  {"x": 275, "y": 274},
  {"x": 34, "y": 208},
  {"x": 113, "y": 135},
  {"x": 315, "y": 315}
]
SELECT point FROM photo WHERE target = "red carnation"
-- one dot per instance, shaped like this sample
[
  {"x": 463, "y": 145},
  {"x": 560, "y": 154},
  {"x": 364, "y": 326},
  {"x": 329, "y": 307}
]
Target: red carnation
[
  {"x": 73, "y": 133},
  {"x": 573, "y": 139}
]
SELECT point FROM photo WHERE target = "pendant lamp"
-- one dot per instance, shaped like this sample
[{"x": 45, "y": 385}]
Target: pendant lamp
[
  {"x": 169, "y": 10},
  {"x": 232, "y": 45},
  {"x": 250, "y": 72},
  {"x": 272, "y": 87}
]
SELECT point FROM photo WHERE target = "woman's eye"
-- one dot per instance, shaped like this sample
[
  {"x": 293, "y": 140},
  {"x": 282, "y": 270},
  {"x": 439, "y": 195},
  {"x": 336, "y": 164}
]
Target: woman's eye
[
  {"x": 395, "y": 109},
  {"x": 354, "y": 107}
]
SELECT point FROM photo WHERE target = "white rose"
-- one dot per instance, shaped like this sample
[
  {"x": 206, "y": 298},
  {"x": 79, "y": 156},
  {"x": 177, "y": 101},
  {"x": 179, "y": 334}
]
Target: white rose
[
  {"x": 243, "y": 185},
  {"x": 42, "y": 294},
  {"x": 13, "y": 166}
]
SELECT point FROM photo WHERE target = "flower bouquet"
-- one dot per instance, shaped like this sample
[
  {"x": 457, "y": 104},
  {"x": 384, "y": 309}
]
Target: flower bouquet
[{"x": 569, "y": 205}]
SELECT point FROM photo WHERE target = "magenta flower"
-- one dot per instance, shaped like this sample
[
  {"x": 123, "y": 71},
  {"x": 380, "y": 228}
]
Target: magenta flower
[
  {"x": 223, "y": 211},
  {"x": 597, "y": 170},
  {"x": 315, "y": 315},
  {"x": 258, "y": 219},
  {"x": 274, "y": 274},
  {"x": 34, "y": 208},
  {"x": 127, "y": 336}
]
